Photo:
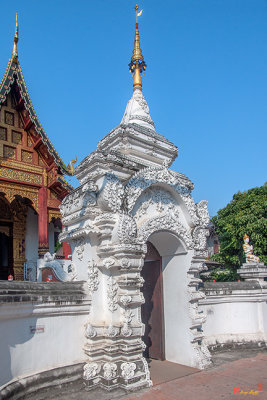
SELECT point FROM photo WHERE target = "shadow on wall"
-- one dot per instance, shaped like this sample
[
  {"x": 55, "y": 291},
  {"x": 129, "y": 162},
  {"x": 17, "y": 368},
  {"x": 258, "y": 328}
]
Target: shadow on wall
[{"x": 14, "y": 333}]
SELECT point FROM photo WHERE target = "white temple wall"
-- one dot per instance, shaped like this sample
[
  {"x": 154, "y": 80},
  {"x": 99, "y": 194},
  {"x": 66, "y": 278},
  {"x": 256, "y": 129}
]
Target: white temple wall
[
  {"x": 31, "y": 237},
  {"x": 235, "y": 320},
  {"x": 25, "y": 352}
]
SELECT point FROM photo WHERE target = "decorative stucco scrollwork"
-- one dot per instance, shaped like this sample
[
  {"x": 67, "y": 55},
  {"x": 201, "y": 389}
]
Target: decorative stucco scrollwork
[
  {"x": 110, "y": 370},
  {"x": 167, "y": 222},
  {"x": 200, "y": 238},
  {"x": 76, "y": 202},
  {"x": 127, "y": 370},
  {"x": 154, "y": 175},
  {"x": 90, "y": 331},
  {"x": 109, "y": 262},
  {"x": 111, "y": 195},
  {"x": 79, "y": 247},
  {"x": 127, "y": 318},
  {"x": 92, "y": 280},
  {"x": 111, "y": 331},
  {"x": 203, "y": 213},
  {"x": 112, "y": 290},
  {"x": 127, "y": 229},
  {"x": 90, "y": 370},
  {"x": 154, "y": 199}
]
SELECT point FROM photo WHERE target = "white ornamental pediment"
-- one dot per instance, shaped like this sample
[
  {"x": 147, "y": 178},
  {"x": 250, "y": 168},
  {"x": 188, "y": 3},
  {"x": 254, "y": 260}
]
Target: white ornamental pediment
[
  {"x": 154, "y": 200},
  {"x": 155, "y": 175},
  {"x": 165, "y": 222},
  {"x": 168, "y": 180}
]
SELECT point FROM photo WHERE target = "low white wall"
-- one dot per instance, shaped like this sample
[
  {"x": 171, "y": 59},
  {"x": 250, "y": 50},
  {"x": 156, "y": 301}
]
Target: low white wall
[
  {"x": 41, "y": 335},
  {"x": 236, "y": 313}
]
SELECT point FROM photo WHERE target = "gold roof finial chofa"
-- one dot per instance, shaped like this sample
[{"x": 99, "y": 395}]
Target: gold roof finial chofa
[
  {"x": 137, "y": 64},
  {"x": 16, "y": 39}
]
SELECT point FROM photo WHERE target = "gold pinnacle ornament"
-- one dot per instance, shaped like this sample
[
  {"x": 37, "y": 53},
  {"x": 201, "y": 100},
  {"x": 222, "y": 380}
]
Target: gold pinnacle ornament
[
  {"x": 16, "y": 39},
  {"x": 137, "y": 64}
]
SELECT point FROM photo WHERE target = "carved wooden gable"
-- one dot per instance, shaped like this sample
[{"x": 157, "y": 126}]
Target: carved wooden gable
[{"x": 27, "y": 156}]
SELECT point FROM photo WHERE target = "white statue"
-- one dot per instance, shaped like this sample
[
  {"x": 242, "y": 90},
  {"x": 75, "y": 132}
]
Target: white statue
[
  {"x": 49, "y": 261},
  {"x": 248, "y": 250}
]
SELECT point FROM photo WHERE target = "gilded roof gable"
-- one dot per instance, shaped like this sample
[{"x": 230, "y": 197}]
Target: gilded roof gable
[{"x": 14, "y": 76}]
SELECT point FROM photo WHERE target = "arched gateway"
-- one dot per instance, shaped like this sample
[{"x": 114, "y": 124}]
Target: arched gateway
[{"x": 139, "y": 241}]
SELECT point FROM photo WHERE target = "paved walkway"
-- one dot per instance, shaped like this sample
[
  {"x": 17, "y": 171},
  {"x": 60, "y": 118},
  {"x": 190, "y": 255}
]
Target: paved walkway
[
  {"x": 241, "y": 371},
  {"x": 165, "y": 371},
  {"x": 246, "y": 377}
]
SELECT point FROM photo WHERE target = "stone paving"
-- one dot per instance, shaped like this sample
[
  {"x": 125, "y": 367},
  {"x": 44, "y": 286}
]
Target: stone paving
[
  {"x": 244, "y": 378},
  {"x": 235, "y": 374}
]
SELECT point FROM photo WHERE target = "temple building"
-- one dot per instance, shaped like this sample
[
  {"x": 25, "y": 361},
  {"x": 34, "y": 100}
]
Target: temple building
[{"x": 32, "y": 183}]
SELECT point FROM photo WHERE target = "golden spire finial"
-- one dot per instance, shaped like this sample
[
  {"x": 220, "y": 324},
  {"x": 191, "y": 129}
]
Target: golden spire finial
[
  {"x": 16, "y": 39},
  {"x": 137, "y": 64}
]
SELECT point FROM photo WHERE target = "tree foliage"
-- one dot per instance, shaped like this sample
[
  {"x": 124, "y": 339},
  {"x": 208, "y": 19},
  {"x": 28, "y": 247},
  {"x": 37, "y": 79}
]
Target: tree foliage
[{"x": 246, "y": 213}]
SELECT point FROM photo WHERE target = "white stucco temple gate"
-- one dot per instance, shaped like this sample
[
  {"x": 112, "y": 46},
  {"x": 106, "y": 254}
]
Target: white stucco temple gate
[
  {"x": 130, "y": 200},
  {"x": 132, "y": 288}
]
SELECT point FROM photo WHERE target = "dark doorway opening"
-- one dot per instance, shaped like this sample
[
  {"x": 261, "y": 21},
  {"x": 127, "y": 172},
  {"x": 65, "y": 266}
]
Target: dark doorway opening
[
  {"x": 6, "y": 251},
  {"x": 152, "y": 309}
]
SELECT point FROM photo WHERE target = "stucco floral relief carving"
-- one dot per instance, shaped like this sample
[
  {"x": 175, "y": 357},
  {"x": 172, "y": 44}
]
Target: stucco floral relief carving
[
  {"x": 90, "y": 331},
  {"x": 127, "y": 370},
  {"x": 125, "y": 263},
  {"x": 127, "y": 317},
  {"x": 109, "y": 262},
  {"x": 112, "y": 291},
  {"x": 191, "y": 207},
  {"x": 166, "y": 221},
  {"x": 127, "y": 228},
  {"x": 126, "y": 330},
  {"x": 92, "y": 280},
  {"x": 156, "y": 197},
  {"x": 154, "y": 175},
  {"x": 79, "y": 247},
  {"x": 111, "y": 331},
  {"x": 77, "y": 200},
  {"x": 200, "y": 238},
  {"x": 126, "y": 299},
  {"x": 90, "y": 370},
  {"x": 89, "y": 186},
  {"x": 203, "y": 213},
  {"x": 73, "y": 271},
  {"x": 110, "y": 370},
  {"x": 69, "y": 203},
  {"x": 111, "y": 196}
]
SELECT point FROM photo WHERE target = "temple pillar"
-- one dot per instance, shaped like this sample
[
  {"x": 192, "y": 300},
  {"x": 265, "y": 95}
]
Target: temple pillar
[
  {"x": 43, "y": 245},
  {"x": 66, "y": 250},
  {"x": 19, "y": 210}
]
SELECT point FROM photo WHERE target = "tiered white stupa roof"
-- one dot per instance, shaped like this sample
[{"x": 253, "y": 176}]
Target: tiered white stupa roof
[{"x": 134, "y": 143}]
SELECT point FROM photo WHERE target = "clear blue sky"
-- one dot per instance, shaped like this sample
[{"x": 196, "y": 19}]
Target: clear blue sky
[{"x": 206, "y": 81}]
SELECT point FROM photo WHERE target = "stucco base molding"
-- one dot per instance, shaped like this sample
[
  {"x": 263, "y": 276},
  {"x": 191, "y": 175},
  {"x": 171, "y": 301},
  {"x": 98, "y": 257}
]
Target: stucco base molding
[
  {"x": 23, "y": 387},
  {"x": 230, "y": 341},
  {"x": 129, "y": 375}
]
